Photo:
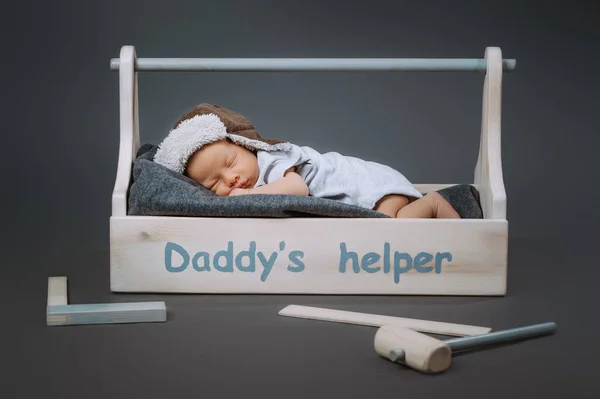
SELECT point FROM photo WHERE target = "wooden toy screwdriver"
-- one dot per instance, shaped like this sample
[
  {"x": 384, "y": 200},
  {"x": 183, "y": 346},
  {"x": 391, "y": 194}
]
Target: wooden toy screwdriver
[{"x": 431, "y": 355}]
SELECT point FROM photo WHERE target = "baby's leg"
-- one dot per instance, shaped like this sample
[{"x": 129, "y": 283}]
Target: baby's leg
[
  {"x": 431, "y": 205},
  {"x": 391, "y": 204}
]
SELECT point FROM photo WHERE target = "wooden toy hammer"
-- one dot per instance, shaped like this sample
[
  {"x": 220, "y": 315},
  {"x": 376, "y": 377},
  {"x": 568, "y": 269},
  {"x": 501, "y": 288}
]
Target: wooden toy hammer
[{"x": 430, "y": 355}]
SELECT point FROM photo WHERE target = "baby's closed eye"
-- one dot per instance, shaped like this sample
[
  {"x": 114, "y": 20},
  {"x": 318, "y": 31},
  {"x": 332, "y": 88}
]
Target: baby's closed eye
[{"x": 231, "y": 159}]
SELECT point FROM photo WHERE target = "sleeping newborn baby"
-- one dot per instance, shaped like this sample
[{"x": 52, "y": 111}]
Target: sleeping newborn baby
[{"x": 221, "y": 150}]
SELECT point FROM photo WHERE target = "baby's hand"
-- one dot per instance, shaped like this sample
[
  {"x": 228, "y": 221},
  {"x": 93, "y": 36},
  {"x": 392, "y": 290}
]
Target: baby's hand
[{"x": 239, "y": 191}]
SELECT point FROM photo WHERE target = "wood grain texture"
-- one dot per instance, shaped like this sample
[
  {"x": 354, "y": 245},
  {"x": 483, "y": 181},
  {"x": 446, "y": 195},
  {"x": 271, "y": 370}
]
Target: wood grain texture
[
  {"x": 478, "y": 247},
  {"x": 107, "y": 313},
  {"x": 60, "y": 313},
  {"x": 129, "y": 137},
  {"x": 488, "y": 170},
  {"x": 304, "y": 64},
  {"x": 377, "y": 320},
  {"x": 421, "y": 352},
  {"x": 57, "y": 291},
  {"x": 347, "y": 256}
]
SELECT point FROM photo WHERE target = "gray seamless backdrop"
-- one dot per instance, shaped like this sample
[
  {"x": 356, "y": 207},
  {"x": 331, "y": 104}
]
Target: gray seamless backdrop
[{"x": 60, "y": 120}]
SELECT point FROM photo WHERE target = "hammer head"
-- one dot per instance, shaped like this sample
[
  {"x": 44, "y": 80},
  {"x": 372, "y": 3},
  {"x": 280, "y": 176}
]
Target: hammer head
[{"x": 421, "y": 352}]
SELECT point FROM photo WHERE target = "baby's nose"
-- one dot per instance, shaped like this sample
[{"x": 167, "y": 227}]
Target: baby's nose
[{"x": 233, "y": 179}]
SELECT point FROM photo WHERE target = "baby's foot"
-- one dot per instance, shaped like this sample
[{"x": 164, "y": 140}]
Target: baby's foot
[{"x": 441, "y": 208}]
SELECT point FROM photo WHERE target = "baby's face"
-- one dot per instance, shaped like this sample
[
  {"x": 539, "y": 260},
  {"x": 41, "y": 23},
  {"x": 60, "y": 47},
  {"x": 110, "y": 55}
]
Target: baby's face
[{"x": 223, "y": 166}]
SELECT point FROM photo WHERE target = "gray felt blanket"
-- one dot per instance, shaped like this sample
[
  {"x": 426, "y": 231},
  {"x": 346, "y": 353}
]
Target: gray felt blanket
[{"x": 157, "y": 191}]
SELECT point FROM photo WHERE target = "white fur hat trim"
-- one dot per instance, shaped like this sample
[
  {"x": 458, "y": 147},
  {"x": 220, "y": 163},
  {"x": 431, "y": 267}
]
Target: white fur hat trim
[{"x": 191, "y": 134}]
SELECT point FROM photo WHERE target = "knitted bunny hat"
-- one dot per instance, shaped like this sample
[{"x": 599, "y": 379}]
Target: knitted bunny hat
[{"x": 205, "y": 124}]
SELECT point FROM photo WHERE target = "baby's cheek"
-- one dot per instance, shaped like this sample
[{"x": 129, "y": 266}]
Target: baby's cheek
[{"x": 224, "y": 192}]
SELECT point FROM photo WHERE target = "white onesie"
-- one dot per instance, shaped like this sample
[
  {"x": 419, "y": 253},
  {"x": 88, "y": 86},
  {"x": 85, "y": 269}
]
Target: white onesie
[{"x": 334, "y": 176}]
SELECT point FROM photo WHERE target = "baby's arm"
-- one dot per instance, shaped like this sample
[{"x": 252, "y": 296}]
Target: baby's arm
[{"x": 290, "y": 183}]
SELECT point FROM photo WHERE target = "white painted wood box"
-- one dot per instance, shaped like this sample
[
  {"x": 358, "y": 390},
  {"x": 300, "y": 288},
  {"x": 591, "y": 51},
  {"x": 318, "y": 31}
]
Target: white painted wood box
[{"x": 314, "y": 255}]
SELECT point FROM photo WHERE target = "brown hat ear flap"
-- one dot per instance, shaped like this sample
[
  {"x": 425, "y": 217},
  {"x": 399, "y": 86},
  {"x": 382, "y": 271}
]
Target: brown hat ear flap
[
  {"x": 202, "y": 109},
  {"x": 234, "y": 122}
]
